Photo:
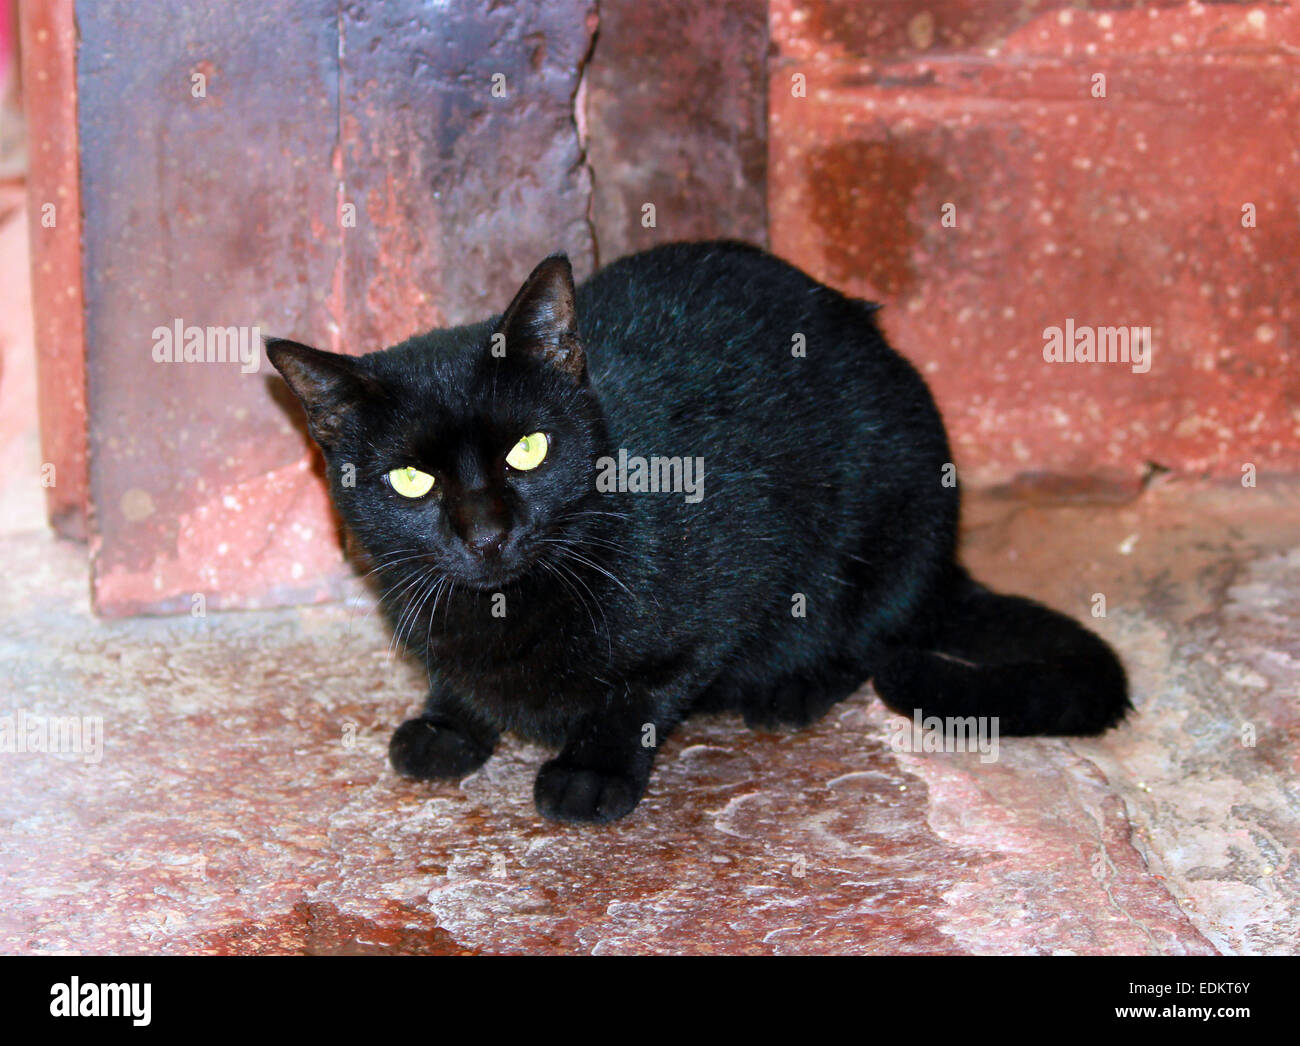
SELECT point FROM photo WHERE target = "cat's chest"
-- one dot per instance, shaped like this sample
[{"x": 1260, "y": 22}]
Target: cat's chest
[{"x": 545, "y": 663}]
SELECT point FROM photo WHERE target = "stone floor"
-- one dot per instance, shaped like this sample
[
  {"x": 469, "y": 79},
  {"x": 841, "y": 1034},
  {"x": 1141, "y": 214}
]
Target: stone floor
[{"x": 242, "y": 802}]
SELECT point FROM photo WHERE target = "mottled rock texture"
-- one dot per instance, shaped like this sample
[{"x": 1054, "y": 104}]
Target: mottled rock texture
[
  {"x": 1120, "y": 201},
  {"x": 243, "y": 803}
]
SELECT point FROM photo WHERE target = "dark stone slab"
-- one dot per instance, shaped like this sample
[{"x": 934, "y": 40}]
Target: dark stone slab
[
  {"x": 229, "y": 210},
  {"x": 459, "y": 191},
  {"x": 677, "y": 117}
]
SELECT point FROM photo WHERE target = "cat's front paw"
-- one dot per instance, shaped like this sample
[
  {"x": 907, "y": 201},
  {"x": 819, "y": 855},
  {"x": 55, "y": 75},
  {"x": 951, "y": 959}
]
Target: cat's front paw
[
  {"x": 565, "y": 792},
  {"x": 430, "y": 748}
]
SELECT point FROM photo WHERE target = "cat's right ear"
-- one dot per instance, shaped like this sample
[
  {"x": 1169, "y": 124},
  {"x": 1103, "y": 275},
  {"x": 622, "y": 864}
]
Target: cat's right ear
[
  {"x": 329, "y": 385},
  {"x": 542, "y": 321}
]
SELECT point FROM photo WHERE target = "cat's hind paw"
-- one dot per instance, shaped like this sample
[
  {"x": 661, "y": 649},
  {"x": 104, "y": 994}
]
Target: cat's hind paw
[
  {"x": 793, "y": 701},
  {"x": 432, "y": 748},
  {"x": 565, "y": 792}
]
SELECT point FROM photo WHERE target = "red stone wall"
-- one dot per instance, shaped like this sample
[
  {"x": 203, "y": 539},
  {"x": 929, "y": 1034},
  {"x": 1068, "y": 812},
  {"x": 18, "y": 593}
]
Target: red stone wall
[
  {"x": 50, "y": 99},
  {"x": 988, "y": 170},
  {"x": 1122, "y": 209}
]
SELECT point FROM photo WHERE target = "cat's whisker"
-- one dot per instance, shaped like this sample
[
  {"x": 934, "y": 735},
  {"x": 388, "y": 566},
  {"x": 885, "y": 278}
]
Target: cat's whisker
[
  {"x": 554, "y": 572},
  {"x": 445, "y": 586},
  {"x": 390, "y": 563},
  {"x": 597, "y": 512},
  {"x": 418, "y": 604},
  {"x": 589, "y": 542},
  {"x": 396, "y": 626},
  {"x": 572, "y": 554},
  {"x": 419, "y": 578},
  {"x": 415, "y": 618},
  {"x": 605, "y": 620},
  {"x": 560, "y": 572},
  {"x": 391, "y": 599},
  {"x": 428, "y": 635},
  {"x": 613, "y": 546}
]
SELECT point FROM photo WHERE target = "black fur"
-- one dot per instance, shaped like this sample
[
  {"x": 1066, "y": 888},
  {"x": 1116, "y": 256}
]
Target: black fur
[{"x": 624, "y": 611}]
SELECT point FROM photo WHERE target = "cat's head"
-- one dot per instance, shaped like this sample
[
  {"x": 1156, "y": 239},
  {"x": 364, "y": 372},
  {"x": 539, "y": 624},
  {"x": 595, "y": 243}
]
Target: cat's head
[{"x": 470, "y": 450}]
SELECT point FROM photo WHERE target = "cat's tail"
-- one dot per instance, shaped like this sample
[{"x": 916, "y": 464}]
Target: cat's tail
[{"x": 985, "y": 654}]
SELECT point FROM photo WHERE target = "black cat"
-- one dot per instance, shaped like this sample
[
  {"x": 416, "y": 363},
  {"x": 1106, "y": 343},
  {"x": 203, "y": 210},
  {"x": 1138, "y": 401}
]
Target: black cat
[{"x": 508, "y": 480}]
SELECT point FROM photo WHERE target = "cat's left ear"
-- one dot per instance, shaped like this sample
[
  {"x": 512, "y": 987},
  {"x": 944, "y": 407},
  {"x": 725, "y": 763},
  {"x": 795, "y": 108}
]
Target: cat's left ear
[{"x": 542, "y": 321}]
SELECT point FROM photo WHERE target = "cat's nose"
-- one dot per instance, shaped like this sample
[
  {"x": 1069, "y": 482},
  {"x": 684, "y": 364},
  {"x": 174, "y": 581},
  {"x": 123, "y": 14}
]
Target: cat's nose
[
  {"x": 485, "y": 541},
  {"x": 483, "y": 524}
]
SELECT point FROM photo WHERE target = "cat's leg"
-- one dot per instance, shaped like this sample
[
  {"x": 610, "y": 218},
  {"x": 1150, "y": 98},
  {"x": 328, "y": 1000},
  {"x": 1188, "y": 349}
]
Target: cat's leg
[
  {"x": 604, "y": 767},
  {"x": 447, "y": 740}
]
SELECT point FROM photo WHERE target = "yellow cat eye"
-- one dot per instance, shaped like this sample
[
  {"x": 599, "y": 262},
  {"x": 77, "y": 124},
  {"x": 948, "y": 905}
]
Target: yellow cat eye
[
  {"x": 410, "y": 483},
  {"x": 528, "y": 453}
]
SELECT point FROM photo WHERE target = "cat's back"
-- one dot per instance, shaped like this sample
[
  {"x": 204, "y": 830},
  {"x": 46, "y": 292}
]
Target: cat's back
[
  {"x": 723, "y": 328},
  {"x": 664, "y": 302}
]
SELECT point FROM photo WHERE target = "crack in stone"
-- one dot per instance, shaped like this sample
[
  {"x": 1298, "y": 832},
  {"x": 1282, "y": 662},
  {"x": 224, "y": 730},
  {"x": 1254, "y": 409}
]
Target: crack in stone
[{"x": 578, "y": 115}]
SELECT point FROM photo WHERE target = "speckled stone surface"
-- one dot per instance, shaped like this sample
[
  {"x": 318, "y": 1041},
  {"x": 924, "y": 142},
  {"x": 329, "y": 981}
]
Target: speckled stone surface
[
  {"x": 242, "y": 803},
  {"x": 48, "y": 46},
  {"x": 962, "y": 163}
]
